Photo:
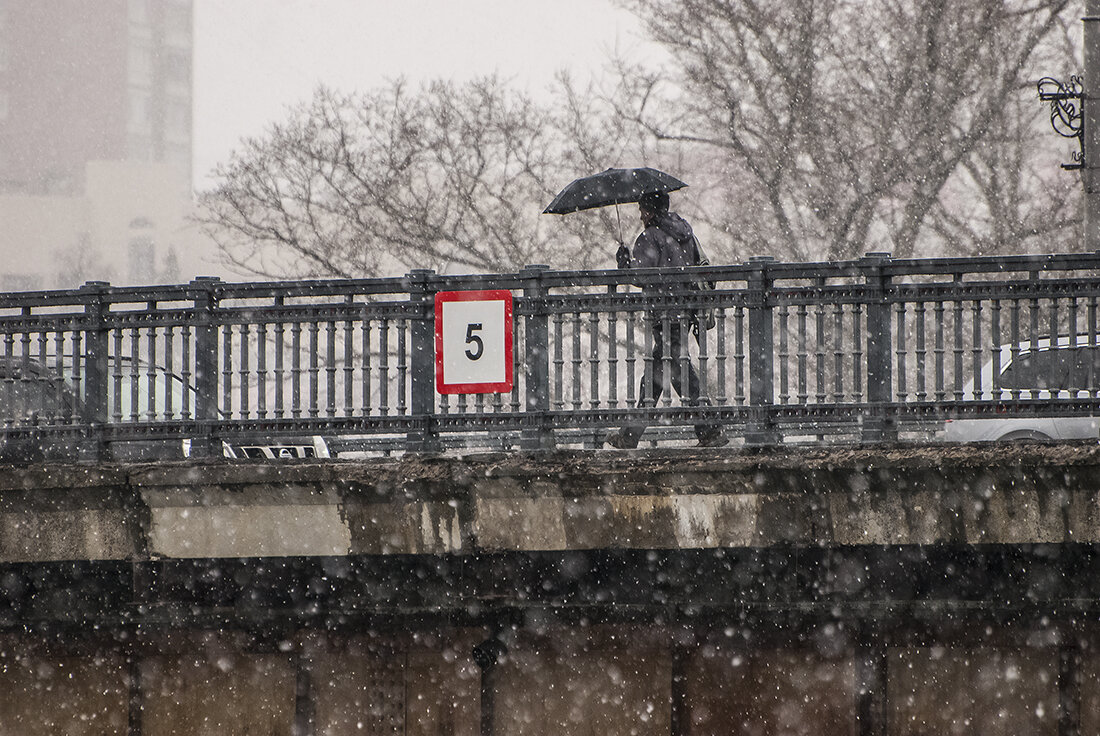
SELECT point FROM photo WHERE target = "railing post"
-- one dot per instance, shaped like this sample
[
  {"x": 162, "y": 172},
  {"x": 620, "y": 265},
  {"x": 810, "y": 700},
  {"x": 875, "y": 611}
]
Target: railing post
[
  {"x": 876, "y": 426},
  {"x": 536, "y": 344},
  {"x": 761, "y": 355},
  {"x": 206, "y": 444},
  {"x": 425, "y": 438},
  {"x": 96, "y": 368}
]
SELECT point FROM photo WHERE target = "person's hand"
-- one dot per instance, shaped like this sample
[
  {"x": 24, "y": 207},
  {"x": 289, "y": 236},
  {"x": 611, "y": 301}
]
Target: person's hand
[{"x": 622, "y": 256}]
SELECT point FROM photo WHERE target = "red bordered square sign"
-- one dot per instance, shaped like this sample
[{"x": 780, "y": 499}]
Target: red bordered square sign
[{"x": 473, "y": 342}]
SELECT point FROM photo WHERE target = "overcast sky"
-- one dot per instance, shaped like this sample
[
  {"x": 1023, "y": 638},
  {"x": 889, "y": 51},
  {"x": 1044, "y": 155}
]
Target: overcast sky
[{"x": 253, "y": 58}]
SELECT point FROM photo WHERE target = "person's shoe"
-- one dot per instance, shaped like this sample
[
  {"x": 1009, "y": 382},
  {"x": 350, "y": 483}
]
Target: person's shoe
[
  {"x": 718, "y": 439},
  {"x": 620, "y": 441}
]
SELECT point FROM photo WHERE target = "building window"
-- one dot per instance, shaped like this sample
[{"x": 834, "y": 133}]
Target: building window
[
  {"x": 138, "y": 120},
  {"x": 139, "y": 12},
  {"x": 177, "y": 19},
  {"x": 177, "y": 67},
  {"x": 141, "y": 148},
  {"x": 179, "y": 120},
  {"x": 140, "y": 64}
]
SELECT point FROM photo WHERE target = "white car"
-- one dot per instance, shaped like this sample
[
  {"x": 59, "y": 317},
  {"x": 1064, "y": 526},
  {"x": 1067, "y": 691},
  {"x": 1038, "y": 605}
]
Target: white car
[
  {"x": 33, "y": 394},
  {"x": 1068, "y": 369}
]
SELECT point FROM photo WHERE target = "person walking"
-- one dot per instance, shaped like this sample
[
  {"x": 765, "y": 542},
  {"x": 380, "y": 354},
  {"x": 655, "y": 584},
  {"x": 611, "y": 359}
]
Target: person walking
[{"x": 667, "y": 241}]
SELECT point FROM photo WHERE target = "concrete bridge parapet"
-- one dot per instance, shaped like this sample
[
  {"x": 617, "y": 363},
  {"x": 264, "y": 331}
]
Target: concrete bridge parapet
[{"x": 1037, "y": 494}]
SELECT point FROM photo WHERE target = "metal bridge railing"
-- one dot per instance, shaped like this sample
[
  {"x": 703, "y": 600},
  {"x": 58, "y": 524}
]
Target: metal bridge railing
[{"x": 870, "y": 349}]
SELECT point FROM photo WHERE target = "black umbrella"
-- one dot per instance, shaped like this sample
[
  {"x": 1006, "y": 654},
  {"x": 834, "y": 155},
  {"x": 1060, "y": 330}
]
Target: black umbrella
[{"x": 611, "y": 187}]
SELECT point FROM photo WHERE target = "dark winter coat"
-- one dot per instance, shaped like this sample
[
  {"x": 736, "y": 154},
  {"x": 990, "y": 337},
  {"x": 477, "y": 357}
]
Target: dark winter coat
[{"x": 667, "y": 242}]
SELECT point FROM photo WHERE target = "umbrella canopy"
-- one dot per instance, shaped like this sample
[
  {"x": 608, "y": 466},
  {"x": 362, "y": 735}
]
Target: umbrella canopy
[{"x": 613, "y": 186}]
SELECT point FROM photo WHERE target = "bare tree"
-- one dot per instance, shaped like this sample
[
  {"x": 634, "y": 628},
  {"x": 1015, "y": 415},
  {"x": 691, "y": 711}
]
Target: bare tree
[
  {"x": 841, "y": 126},
  {"x": 445, "y": 177}
]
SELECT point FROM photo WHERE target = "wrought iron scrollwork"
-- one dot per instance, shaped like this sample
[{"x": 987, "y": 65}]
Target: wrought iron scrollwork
[{"x": 1066, "y": 102}]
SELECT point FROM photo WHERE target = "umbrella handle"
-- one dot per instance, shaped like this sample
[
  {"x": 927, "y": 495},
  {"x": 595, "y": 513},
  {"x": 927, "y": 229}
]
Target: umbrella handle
[{"x": 619, "y": 223}]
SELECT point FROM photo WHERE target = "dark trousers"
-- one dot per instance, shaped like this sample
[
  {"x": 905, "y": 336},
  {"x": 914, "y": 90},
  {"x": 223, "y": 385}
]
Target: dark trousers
[{"x": 653, "y": 380}]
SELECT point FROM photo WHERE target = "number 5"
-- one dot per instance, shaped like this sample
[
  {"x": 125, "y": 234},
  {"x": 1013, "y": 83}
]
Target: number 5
[{"x": 475, "y": 353}]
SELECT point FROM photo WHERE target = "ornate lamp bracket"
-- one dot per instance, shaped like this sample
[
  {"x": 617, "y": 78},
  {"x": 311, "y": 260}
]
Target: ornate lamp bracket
[{"x": 1066, "y": 102}]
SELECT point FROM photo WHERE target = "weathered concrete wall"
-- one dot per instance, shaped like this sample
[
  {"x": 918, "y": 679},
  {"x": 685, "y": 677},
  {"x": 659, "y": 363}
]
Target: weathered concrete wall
[
  {"x": 558, "y": 501},
  {"x": 600, "y": 680}
]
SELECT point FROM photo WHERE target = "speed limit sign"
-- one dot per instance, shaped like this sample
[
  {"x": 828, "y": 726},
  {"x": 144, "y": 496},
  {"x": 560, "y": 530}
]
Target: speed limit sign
[{"x": 473, "y": 342}]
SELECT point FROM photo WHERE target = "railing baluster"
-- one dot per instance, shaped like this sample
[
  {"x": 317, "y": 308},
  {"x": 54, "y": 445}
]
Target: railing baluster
[
  {"x": 739, "y": 392},
  {"x": 349, "y": 360},
  {"x": 704, "y": 357},
  {"x": 995, "y": 350},
  {"x": 521, "y": 349},
  {"x": 9, "y": 375},
  {"x": 819, "y": 352},
  {"x": 646, "y": 397},
  {"x": 902, "y": 393},
  {"x": 169, "y": 373},
  {"x": 185, "y": 372},
  {"x": 594, "y": 359},
  {"x": 958, "y": 349},
  {"x": 838, "y": 352},
  {"x": 279, "y": 376},
  {"x": 330, "y": 369},
  {"x": 244, "y": 341},
  {"x": 261, "y": 370},
  {"x": 25, "y": 368},
  {"x": 922, "y": 353},
  {"x": 1074, "y": 342},
  {"x": 976, "y": 349},
  {"x": 938, "y": 311},
  {"x": 403, "y": 367},
  {"x": 559, "y": 363},
  {"x": 44, "y": 369},
  {"x": 1015, "y": 343},
  {"x": 575, "y": 325},
  {"x": 152, "y": 369},
  {"x": 116, "y": 374},
  {"x": 1054, "y": 321},
  {"x": 685, "y": 360},
  {"x": 612, "y": 355},
  {"x": 384, "y": 366},
  {"x": 296, "y": 369},
  {"x": 857, "y": 353},
  {"x": 1091, "y": 317},
  {"x": 667, "y": 366},
  {"x": 314, "y": 368},
  {"x": 803, "y": 350},
  {"x": 1033, "y": 315},
  {"x": 784, "y": 355},
  {"x": 368, "y": 390},
  {"x": 631, "y": 360},
  {"x": 59, "y": 375},
  {"x": 720, "y": 354},
  {"x": 227, "y": 372}
]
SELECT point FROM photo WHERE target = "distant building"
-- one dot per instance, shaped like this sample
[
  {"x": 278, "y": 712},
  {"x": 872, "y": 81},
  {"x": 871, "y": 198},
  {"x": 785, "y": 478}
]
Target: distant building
[{"x": 95, "y": 137}]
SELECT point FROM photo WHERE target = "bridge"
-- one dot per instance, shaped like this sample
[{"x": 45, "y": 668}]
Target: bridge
[
  {"x": 469, "y": 565},
  {"x": 870, "y": 350}
]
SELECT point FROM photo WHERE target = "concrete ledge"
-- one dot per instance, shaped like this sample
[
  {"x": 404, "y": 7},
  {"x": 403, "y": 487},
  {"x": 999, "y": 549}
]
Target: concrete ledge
[{"x": 667, "y": 499}]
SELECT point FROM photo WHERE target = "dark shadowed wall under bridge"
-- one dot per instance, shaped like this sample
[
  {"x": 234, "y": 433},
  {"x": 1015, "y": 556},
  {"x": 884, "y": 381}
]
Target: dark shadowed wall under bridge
[{"x": 886, "y": 590}]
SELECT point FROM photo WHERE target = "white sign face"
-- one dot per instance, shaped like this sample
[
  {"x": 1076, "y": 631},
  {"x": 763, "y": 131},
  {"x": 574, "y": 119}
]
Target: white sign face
[{"x": 473, "y": 342}]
